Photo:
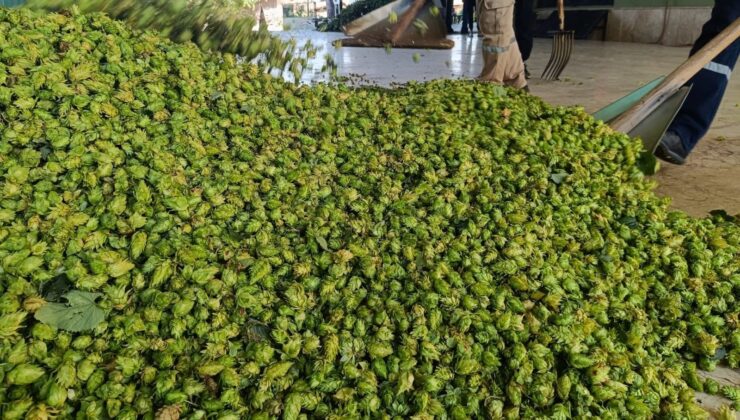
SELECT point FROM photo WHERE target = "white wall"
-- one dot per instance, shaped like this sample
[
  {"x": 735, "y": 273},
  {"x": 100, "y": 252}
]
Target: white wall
[{"x": 672, "y": 26}]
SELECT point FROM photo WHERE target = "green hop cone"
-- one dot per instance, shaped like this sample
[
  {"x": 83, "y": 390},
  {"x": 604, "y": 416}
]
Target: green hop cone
[{"x": 25, "y": 374}]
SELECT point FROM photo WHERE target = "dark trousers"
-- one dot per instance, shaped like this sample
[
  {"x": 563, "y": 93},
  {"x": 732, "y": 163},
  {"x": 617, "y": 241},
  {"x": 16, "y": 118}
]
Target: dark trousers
[
  {"x": 525, "y": 20},
  {"x": 709, "y": 85},
  {"x": 467, "y": 20},
  {"x": 448, "y": 14}
]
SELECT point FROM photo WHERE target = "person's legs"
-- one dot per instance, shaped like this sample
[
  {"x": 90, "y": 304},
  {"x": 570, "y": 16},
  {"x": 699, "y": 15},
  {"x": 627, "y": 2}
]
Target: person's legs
[
  {"x": 708, "y": 87},
  {"x": 502, "y": 61},
  {"x": 525, "y": 20},
  {"x": 467, "y": 21},
  {"x": 448, "y": 16}
]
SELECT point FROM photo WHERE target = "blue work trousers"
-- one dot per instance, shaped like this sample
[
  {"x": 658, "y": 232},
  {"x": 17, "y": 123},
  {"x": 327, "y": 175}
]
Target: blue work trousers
[{"x": 709, "y": 85}]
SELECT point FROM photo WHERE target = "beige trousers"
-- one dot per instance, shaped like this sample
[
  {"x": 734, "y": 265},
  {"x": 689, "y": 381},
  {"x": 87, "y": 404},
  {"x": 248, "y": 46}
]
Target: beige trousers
[{"x": 502, "y": 61}]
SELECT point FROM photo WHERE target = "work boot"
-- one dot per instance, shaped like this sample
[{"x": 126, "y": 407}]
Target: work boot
[{"x": 671, "y": 150}]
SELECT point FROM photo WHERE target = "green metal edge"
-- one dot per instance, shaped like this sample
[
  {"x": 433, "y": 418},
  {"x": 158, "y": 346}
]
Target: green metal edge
[{"x": 616, "y": 108}]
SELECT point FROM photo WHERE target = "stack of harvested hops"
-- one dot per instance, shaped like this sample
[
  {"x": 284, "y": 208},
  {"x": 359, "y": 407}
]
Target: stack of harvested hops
[{"x": 182, "y": 236}]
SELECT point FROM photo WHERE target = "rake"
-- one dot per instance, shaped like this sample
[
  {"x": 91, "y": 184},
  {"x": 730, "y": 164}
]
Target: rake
[{"x": 562, "y": 48}]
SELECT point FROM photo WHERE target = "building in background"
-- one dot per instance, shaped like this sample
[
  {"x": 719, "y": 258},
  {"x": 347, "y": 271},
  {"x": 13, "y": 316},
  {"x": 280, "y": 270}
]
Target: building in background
[
  {"x": 272, "y": 10},
  {"x": 665, "y": 22},
  {"x": 307, "y": 8}
]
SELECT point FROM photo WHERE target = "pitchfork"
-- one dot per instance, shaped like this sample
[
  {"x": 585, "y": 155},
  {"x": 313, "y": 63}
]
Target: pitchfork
[{"x": 562, "y": 47}]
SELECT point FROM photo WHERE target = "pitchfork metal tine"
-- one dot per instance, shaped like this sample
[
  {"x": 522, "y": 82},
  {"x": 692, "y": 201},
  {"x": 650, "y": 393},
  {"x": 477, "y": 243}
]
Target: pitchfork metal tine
[
  {"x": 562, "y": 47},
  {"x": 562, "y": 50},
  {"x": 568, "y": 40},
  {"x": 557, "y": 54},
  {"x": 551, "y": 61},
  {"x": 554, "y": 58}
]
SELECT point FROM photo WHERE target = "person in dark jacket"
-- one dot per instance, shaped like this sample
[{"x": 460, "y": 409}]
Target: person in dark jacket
[
  {"x": 525, "y": 20},
  {"x": 467, "y": 17},
  {"x": 708, "y": 87},
  {"x": 449, "y": 11}
]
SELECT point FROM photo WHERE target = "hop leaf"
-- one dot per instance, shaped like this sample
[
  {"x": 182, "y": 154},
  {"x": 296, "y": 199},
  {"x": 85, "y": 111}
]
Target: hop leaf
[{"x": 80, "y": 313}]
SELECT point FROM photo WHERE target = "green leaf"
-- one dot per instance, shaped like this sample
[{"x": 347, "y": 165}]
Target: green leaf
[
  {"x": 322, "y": 243},
  {"x": 558, "y": 177},
  {"x": 80, "y": 313},
  {"x": 648, "y": 164}
]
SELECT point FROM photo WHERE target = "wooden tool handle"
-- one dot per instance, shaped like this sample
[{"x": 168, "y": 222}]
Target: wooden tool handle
[
  {"x": 561, "y": 14},
  {"x": 650, "y": 102},
  {"x": 405, "y": 20}
]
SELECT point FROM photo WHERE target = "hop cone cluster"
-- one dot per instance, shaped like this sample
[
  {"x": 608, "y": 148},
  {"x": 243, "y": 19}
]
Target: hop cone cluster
[
  {"x": 263, "y": 250},
  {"x": 222, "y": 25}
]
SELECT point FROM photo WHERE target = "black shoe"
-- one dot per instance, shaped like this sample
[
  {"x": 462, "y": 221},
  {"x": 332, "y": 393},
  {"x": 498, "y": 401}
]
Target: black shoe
[
  {"x": 451, "y": 31},
  {"x": 526, "y": 72},
  {"x": 671, "y": 150},
  {"x": 464, "y": 32}
]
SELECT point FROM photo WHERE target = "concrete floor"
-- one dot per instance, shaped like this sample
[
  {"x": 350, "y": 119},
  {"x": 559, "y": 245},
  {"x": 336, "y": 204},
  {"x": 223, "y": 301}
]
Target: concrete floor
[{"x": 597, "y": 74}]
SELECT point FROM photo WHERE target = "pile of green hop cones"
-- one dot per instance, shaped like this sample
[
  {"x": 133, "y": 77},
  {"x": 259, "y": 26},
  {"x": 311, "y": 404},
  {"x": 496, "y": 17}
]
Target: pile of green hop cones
[{"x": 184, "y": 236}]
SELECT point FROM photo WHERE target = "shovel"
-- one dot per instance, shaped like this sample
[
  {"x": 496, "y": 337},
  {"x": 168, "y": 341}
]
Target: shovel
[
  {"x": 562, "y": 48},
  {"x": 648, "y": 111},
  {"x": 419, "y": 25},
  {"x": 654, "y": 125},
  {"x": 674, "y": 82}
]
